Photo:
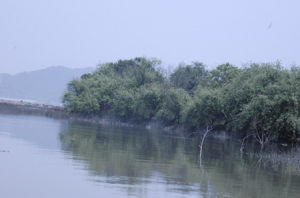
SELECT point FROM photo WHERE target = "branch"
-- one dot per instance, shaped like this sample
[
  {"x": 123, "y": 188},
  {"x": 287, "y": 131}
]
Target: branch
[
  {"x": 208, "y": 129},
  {"x": 243, "y": 142}
]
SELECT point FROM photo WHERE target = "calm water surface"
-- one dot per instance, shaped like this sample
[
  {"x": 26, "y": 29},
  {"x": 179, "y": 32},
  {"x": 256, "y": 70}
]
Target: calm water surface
[{"x": 42, "y": 157}]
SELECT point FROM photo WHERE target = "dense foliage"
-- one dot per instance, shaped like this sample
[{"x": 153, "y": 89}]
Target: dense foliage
[{"x": 261, "y": 100}]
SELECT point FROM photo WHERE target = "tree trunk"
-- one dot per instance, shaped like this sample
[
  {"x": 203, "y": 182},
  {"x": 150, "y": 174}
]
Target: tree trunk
[{"x": 208, "y": 129}]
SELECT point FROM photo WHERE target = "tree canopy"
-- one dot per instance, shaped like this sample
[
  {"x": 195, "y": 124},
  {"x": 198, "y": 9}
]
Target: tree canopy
[{"x": 261, "y": 100}]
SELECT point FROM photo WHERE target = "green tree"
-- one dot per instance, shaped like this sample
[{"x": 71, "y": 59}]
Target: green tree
[
  {"x": 123, "y": 103},
  {"x": 172, "y": 110},
  {"x": 188, "y": 77},
  {"x": 112, "y": 88},
  {"x": 222, "y": 75},
  {"x": 148, "y": 101},
  {"x": 263, "y": 101},
  {"x": 205, "y": 111},
  {"x": 259, "y": 101}
]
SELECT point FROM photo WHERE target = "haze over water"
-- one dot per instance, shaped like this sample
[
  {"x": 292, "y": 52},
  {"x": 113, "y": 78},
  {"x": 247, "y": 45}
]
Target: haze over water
[{"x": 75, "y": 33}]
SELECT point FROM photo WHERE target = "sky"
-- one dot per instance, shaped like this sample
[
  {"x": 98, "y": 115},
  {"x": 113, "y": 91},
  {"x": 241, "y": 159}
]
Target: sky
[{"x": 35, "y": 34}]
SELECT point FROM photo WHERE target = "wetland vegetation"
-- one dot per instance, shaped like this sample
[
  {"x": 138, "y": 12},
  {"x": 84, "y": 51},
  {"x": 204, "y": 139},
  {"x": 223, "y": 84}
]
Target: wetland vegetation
[{"x": 259, "y": 102}]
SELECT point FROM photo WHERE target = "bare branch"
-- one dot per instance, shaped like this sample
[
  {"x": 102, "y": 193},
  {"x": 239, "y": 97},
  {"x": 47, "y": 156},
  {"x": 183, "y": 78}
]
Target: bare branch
[
  {"x": 208, "y": 129},
  {"x": 243, "y": 142}
]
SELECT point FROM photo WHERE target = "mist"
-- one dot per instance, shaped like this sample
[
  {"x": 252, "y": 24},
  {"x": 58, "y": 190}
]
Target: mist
[{"x": 37, "y": 34}]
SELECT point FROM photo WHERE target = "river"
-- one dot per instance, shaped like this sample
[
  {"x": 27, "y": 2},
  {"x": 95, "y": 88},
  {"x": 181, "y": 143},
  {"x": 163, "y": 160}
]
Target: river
[{"x": 45, "y": 157}]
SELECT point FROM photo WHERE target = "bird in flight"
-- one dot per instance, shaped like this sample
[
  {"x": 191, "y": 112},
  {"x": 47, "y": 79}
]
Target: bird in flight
[{"x": 269, "y": 26}]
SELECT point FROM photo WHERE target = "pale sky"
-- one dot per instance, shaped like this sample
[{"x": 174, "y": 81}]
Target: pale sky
[{"x": 35, "y": 34}]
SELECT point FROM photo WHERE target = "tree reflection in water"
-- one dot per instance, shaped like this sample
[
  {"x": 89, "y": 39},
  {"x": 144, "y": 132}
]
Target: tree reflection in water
[{"x": 135, "y": 159}]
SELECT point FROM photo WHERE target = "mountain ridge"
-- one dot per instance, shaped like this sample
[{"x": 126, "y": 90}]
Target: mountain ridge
[{"x": 44, "y": 85}]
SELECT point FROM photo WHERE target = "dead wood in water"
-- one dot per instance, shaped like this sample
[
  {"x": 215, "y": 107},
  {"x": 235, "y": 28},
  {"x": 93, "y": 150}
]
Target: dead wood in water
[{"x": 208, "y": 129}]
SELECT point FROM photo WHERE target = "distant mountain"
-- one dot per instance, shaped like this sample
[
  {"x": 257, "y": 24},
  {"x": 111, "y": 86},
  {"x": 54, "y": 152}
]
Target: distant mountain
[{"x": 44, "y": 86}]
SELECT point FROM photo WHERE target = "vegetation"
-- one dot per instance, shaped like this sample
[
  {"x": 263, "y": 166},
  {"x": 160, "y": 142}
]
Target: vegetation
[{"x": 261, "y": 101}]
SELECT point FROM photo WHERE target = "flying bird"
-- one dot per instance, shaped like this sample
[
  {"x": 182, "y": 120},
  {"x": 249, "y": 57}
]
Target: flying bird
[{"x": 269, "y": 26}]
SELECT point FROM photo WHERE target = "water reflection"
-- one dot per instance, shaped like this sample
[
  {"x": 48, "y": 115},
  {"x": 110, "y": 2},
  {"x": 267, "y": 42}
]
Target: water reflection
[
  {"x": 136, "y": 158},
  {"x": 81, "y": 160}
]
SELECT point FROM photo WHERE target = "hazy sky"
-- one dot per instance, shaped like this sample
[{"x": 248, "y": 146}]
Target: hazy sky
[{"x": 80, "y": 33}]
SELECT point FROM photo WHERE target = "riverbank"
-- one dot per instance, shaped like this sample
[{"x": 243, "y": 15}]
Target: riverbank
[
  {"x": 289, "y": 157},
  {"x": 24, "y": 107},
  {"x": 58, "y": 112}
]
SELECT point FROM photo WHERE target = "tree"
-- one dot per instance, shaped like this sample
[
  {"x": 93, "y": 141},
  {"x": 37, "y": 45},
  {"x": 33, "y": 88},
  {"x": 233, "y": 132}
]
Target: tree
[
  {"x": 262, "y": 102},
  {"x": 172, "y": 109},
  {"x": 188, "y": 77},
  {"x": 149, "y": 99},
  {"x": 205, "y": 109},
  {"x": 112, "y": 88},
  {"x": 222, "y": 75}
]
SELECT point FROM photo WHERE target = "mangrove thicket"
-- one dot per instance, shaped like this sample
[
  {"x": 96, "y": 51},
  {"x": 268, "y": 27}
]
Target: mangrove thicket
[{"x": 261, "y": 101}]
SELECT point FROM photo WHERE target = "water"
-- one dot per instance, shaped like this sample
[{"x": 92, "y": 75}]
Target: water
[{"x": 42, "y": 157}]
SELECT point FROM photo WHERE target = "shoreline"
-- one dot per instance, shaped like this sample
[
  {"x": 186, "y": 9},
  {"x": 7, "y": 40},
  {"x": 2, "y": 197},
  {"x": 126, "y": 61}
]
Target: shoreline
[
  {"x": 58, "y": 112},
  {"x": 24, "y": 107}
]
